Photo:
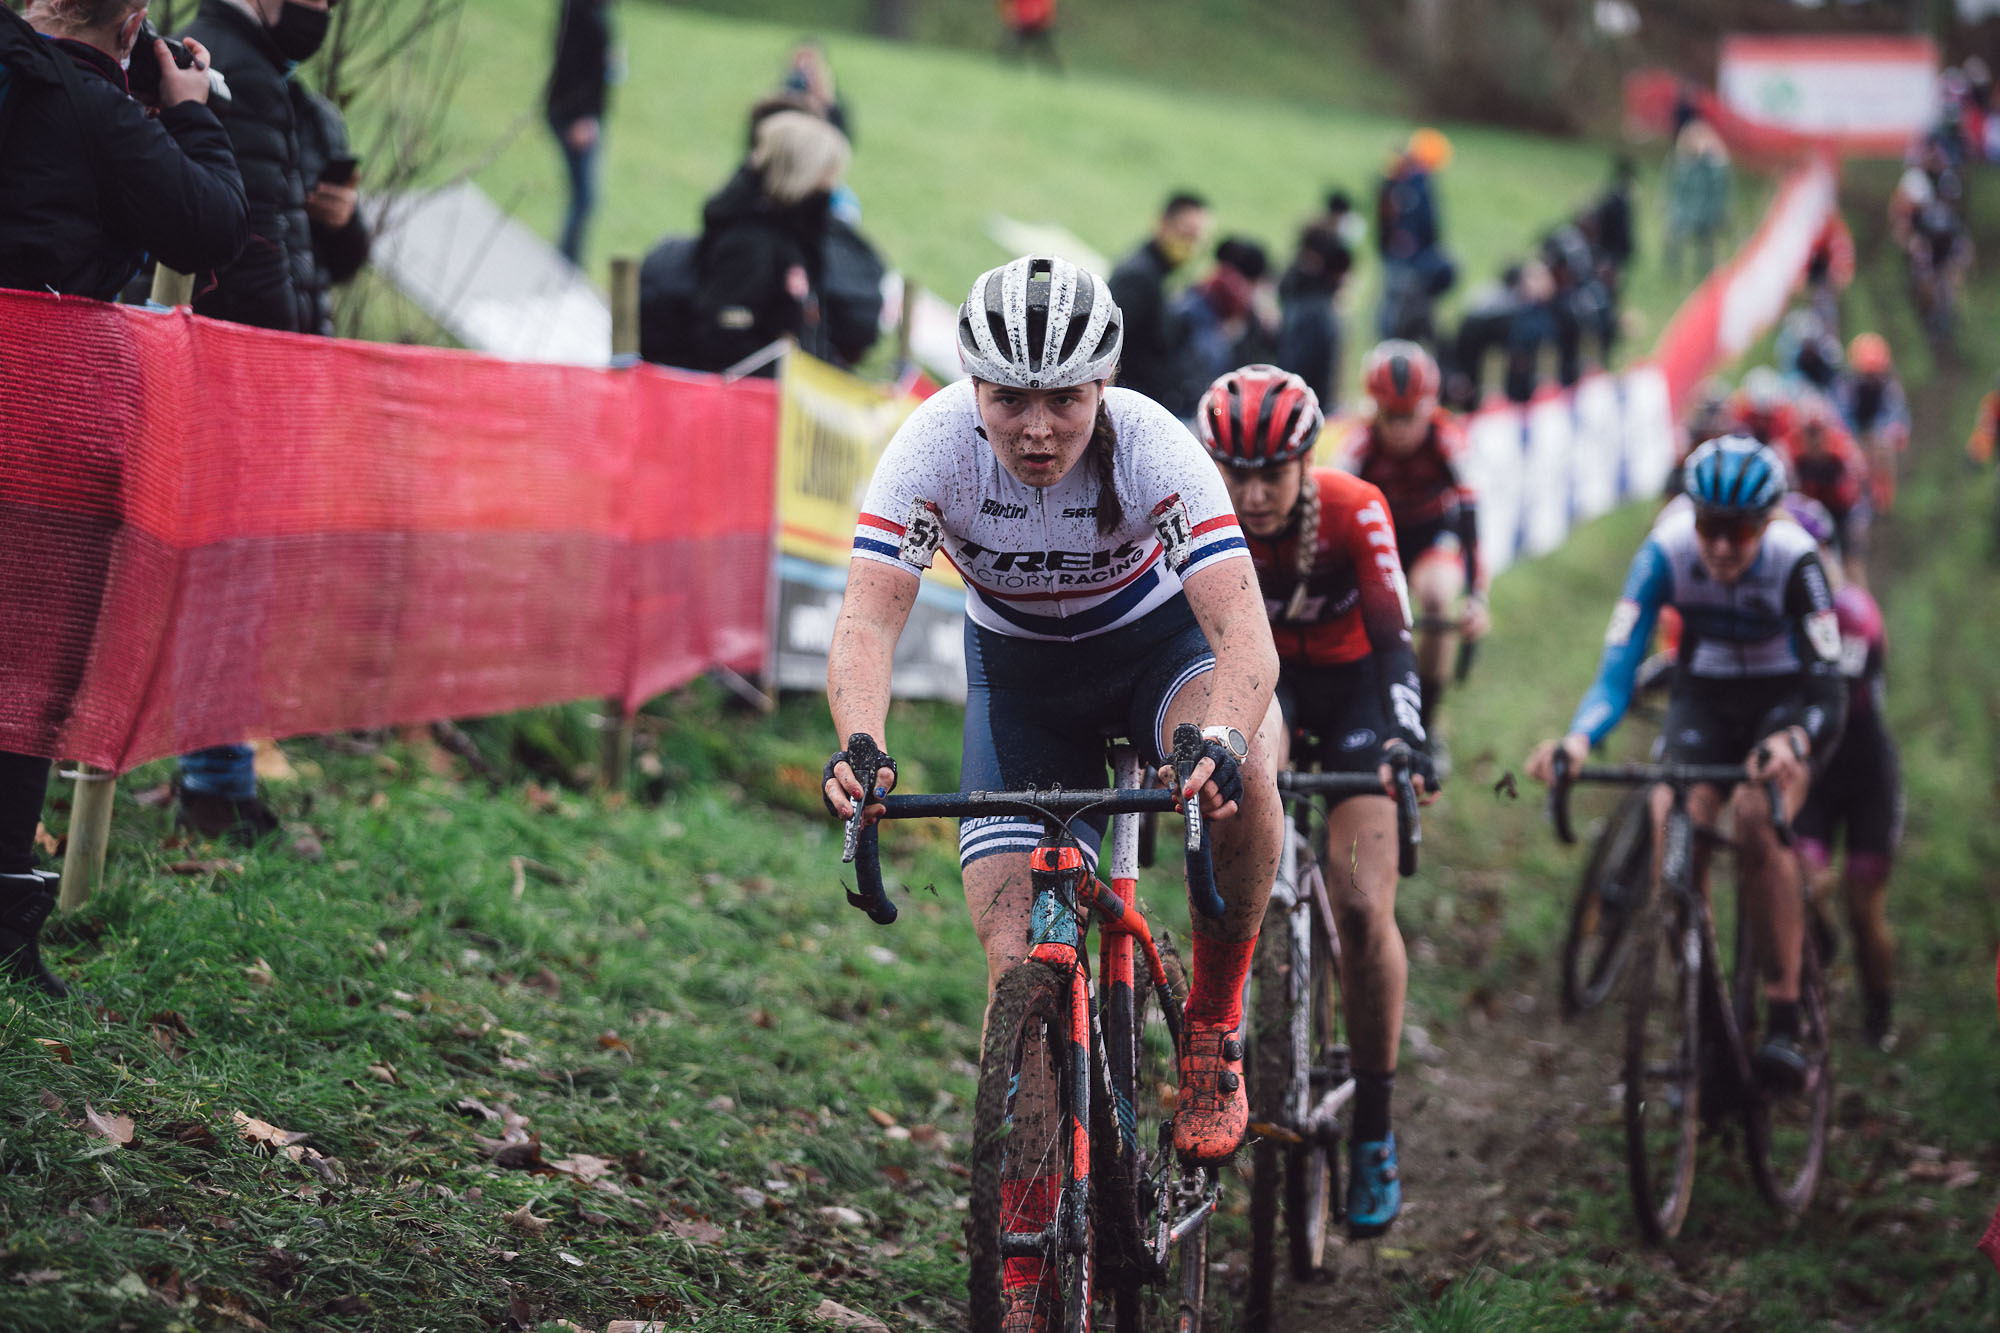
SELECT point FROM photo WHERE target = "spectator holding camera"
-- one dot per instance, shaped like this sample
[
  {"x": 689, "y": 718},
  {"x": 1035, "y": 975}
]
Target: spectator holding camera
[
  {"x": 258, "y": 44},
  {"x": 89, "y": 184}
]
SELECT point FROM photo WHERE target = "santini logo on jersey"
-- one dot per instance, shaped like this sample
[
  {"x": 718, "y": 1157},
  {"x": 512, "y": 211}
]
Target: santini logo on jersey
[{"x": 1001, "y": 509}]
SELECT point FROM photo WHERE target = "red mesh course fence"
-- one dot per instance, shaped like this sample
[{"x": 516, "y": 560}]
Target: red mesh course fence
[{"x": 209, "y": 532}]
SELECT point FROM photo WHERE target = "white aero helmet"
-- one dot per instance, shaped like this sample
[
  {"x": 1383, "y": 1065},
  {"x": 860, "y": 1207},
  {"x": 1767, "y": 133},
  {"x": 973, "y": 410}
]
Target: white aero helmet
[{"x": 1039, "y": 323}]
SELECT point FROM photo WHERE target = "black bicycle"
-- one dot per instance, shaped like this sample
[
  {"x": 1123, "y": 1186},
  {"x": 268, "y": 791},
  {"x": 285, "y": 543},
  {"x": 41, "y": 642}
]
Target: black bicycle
[
  {"x": 1073, "y": 1164},
  {"x": 1300, "y": 1075},
  {"x": 1688, "y": 1030}
]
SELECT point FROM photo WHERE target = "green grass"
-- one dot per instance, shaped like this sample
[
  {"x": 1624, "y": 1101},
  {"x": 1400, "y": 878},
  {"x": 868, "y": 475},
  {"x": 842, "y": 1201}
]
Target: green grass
[{"x": 946, "y": 138}]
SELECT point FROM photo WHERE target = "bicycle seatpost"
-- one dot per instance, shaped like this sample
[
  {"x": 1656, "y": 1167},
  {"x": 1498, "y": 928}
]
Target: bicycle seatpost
[
  {"x": 859, "y": 847},
  {"x": 1187, "y": 756}
]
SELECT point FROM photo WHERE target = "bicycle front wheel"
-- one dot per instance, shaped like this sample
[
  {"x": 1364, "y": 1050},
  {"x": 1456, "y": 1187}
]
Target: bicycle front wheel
[
  {"x": 1609, "y": 901},
  {"x": 1663, "y": 1068},
  {"x": 1027, "y": 1227}
]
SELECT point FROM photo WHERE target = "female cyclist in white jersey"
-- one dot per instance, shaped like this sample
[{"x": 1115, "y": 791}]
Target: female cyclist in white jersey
[{"x": 1108, "y": 592}]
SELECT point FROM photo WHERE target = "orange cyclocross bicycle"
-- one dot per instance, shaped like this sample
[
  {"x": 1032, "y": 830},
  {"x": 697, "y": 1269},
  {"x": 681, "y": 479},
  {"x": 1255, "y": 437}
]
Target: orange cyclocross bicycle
[{"x": 1076, "y": 1193}]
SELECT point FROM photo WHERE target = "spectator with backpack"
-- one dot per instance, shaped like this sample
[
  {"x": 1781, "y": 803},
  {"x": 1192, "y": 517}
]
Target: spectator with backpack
[{"x": 92, "y": 184}]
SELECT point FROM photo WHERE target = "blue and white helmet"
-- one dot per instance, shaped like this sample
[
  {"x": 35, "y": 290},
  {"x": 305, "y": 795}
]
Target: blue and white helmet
[
  {"x": 1734, "y": 474},
  {"x": 1039, "y": 323}
]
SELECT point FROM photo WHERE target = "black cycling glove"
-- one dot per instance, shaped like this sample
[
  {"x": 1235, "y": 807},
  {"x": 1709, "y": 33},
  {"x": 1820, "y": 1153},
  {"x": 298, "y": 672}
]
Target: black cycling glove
[
  {"x": 1421, "y": 763},
  {"x": 862, "y": 755},
  {"x": 1191, "y": 747}
]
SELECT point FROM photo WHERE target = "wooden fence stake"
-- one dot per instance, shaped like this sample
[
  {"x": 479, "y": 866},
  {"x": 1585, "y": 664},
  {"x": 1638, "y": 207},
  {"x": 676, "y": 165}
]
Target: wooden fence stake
[
  {"x": 614, "y": 753},
  {"x": 89, "y": 834}
]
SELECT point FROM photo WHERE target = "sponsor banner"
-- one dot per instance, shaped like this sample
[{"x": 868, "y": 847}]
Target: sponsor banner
[
  {"x": 832, "y": 430},
  {"x": 1863, "y": 93}
]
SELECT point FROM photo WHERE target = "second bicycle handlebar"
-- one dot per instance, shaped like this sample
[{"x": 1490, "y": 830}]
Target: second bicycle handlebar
[
  {"x": 1409, "y": 823},
  {"x": 1646, "y": 775}
]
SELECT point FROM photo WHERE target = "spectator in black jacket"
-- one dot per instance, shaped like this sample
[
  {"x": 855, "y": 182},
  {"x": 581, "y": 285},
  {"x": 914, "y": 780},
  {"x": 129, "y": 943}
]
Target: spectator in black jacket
[
  {"x": 91, "y": 184},
  {"x": 763, "y": 243},
  {"x": 576, "y": 102},
  {"x": 340, "y": 237},
  {"x": 275, "y": 285},
  {"x": 1153, "y": 344},
  {"x": 1309, "y": 295}
]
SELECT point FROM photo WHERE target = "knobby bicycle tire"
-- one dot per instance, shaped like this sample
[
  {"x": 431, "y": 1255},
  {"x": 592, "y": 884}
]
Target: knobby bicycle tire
[
  {"x": 1663, "y": 1068},
  {"x": 1312, "y": 1170},
  {"x": 1270, "y": 1069},
  {"x": 1787, "y": 1136},
  {"x": 1610, "y": 899},
  {"x": 1027, "y": 1141}
]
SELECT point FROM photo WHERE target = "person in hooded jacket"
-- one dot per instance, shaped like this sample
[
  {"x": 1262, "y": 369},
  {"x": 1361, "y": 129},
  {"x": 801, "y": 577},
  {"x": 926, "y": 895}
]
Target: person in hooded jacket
[
  {"x": 274, "y": 285},
  {"x": 257, "y": 44},
  {"x": 92, "y": 184},
  {"x": 763, "y": 243}
]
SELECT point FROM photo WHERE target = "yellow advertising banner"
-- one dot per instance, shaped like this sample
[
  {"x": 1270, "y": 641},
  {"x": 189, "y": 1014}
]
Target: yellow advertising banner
[{"x": 832, "y": 427}]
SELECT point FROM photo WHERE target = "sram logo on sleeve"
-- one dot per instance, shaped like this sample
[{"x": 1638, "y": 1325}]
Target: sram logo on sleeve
[
  {"x": 1624, "y": 619},
  {"x": 923, "y": 534},
  {"x": 1823, "y": 633},
  {"x": 1176, "y": 531}
]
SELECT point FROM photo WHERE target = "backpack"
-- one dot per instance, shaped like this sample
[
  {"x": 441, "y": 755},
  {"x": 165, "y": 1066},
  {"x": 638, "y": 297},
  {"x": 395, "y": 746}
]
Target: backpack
[{"x": 669, "y": 279}]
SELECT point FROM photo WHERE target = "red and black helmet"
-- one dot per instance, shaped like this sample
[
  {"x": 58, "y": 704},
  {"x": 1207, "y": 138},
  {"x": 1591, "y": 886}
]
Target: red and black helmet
[
  {"x": 1257, "y": 416},
  {"x": 1399, "y": 375}
]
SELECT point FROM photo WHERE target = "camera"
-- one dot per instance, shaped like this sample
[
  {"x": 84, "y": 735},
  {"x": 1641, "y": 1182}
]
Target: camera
[{"x": 143, "y": 76}]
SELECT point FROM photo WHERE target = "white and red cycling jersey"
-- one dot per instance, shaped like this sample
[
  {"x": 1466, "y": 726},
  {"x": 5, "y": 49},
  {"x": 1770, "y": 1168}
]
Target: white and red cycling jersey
[{"x": 1035, "y": 565}]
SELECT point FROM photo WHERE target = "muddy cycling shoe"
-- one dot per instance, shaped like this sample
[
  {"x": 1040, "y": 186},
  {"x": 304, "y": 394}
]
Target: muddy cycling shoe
[
  {"x": 1781, "y": 1066},
  {"x": 244, "y": 823},
  {"x": 1214, "y": 1111},
  {"x": 25, "y": 903},
  {"x": 1876, "y": 1020},
  {"x": 1031, "y": 1310},
  {"x": 1374, "y": 1188}
]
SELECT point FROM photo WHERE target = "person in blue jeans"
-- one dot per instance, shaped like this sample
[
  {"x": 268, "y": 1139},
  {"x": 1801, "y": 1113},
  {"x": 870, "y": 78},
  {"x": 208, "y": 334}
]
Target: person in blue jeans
[{"x": 576, "y": 101}]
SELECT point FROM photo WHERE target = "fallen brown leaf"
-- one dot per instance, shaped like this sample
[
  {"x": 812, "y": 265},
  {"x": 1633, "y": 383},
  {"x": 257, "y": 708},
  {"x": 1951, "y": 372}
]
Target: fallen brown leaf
[
  {"x": 611, "y": 1041},
  {"x": 263, "y": 1132},
  {"x": 384, "y": 1074},
  {"x": 50, "y": 1102},
  {"x": 523, "y": 1219},
  {"x": 215, "y": 866},
  {"x": 761, "y": 1018},
  {"x": 164, "y": 1038},
  {"x": 192, "y": 1133},
  {"x": 832, "y": 1312},
  {"x": 636, "y": 1326},
  {"x": 116, "y": 1128},
  {"x": 697, "y": 1230},
  {"x": 57, "y": 1050},
  {"x": 260, "y": 974},
  {"x": 156, "y": 798},
  {"x": 881, "y": 1117},
  {"x": 473, "y": 1106},
  {"x": 39, "y": 1277},
  {"x": 168, "y": 1018},
  {"x": 583, "y": 1166}
]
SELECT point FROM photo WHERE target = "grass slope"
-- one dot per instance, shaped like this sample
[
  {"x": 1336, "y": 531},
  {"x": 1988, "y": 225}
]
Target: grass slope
[
  {"x": 705, "y": 1042},
  {"x": 946, "y": 138}
]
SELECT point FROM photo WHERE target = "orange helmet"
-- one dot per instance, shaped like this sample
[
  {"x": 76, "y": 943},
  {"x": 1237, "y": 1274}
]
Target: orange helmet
[
  {"x": 1431, "y": 149},
  {"x": 1399, "y": 375},
  {"x": 1868, "y": 354}
]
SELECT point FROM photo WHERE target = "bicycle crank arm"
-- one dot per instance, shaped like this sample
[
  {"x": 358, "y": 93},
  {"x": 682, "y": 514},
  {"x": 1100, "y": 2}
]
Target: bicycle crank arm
[
  {"x": 1187, "y": 1225},
  {"x": 1321, "y": 1121}
]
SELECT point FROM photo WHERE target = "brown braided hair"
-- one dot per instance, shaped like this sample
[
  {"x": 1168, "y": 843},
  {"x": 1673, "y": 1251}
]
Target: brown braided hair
[
  {"x": 1308, "y": 552},
  {"x": 1103, "y": 449}
]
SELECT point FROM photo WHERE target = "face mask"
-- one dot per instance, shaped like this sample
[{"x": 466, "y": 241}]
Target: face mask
[{"x": 300, "y": 30}]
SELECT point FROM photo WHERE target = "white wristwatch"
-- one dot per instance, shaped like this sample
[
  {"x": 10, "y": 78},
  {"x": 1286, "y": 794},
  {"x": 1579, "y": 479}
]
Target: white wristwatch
[{"x": 1232, "y": 740}]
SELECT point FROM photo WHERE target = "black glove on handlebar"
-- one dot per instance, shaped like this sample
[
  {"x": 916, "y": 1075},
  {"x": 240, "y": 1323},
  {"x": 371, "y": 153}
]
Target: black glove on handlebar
[
  {"x": 1228, "y": 778},
  {"x": 862, "y": 755},
  {"x": 1420, "y": 763}
]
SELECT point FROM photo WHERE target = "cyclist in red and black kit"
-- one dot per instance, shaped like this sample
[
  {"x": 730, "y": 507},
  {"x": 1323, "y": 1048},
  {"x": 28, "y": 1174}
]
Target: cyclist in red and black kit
[
  {"x": 1414, "y": 453},
  {"x": 1828, "y": 466},
  {"x": 1326, "y": 560},
  {"x": 1857, "y": 799}
]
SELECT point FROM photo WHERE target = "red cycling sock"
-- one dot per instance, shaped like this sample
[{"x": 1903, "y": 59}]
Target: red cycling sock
[{"x": 1215, "y": 992}]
